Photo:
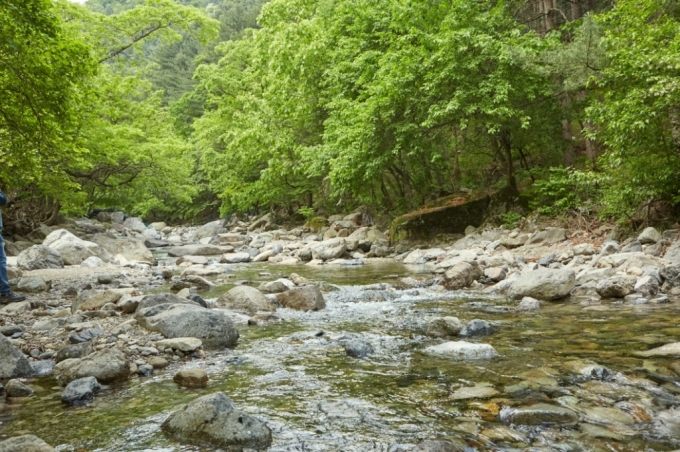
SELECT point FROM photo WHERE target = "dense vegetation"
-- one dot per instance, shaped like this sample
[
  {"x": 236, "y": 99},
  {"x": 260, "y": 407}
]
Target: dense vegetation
[{"x": 179, "y": 108}]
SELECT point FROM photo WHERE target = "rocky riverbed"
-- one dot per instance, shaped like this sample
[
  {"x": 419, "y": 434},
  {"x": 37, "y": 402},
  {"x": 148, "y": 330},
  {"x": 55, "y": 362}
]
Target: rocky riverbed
[{"x": 133, "y": 336}]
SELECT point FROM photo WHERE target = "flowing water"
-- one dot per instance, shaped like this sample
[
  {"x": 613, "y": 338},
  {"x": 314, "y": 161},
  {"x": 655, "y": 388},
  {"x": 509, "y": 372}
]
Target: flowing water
[{"x": 296, "y": 376}]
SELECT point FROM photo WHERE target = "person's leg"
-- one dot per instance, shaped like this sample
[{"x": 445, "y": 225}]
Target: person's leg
[
  {"x": 4, "y": 280},
  {"x": 6, "y": 295}
]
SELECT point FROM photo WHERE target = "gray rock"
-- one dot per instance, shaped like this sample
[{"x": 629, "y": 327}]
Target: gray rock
[
  {"x": 649, "y": 235},
  {"x": 80, "y": 391},
  {"x": 495, "y": 274},
  {"x": 357, "y": 348},
  {"x": 162, "y": 298},
  {"x": 43, "y": 368},
  {"x": 133, "y": 250},
  {"x": 477, "y": 327},
  {"x": 671, "y": 276},
  {"x": 539, "y": 414},
  {"x": 26, "y": 443},
  {"x": 272, "y": 287},
  {"x": 213, "y": 420},
  {"x": 307, "y": 298},
  {"x": 191, "y": 378},
  {"x": 128, "y": 304},
  {"x": 543, "y": 284},
  {"x": 135, "y": 223},
  {"x": 184, "y": 344},
  {"x": 672, "y": 253},
  {"x": 33, "y": 284},
  {"x": 9, "y": 330},
  {"x": 236, "y": 258},
  {"x": 444, "y": 326},
  {"x": 634, "y": 247},
  {"x": 329, "y": 249},
  {"x": 74, "y": 351},
  {"x": 210, "y": 230},
  {"x": 247, "y": 299},
  {"x": 39, "y": 256},
  {"x": 462, "y": 275},
  {"x": 195, "y": 250},
  {"x": 461, "y": 350},
  {"x": 89, "y": 300},
  {"x": 609, "y": 247},
  {"x": 213, "y": 327},
  {"x": 547, "y": 260},
  {"x": 107, "y": 366},
  {"x": 548, "y": 237},
  {"x": 74, "y": 250},
  {"x": 85, "y": 336},
  {"x": 15, "y": 388},
  {"x": 647, "y": 285},
  {"x": 529, "y": 304},
  {"x": 13, "y": 363},
  {"x": 145, "y": 370},
  {"x": 616, "y": 286}
]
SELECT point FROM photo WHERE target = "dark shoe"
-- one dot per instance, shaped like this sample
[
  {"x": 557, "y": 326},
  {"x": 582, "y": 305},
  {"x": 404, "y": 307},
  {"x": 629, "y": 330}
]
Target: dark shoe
[{"x": 10, "y": 298}]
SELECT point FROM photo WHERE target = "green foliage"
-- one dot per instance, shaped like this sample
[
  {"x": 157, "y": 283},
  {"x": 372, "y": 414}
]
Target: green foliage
[
  {"x": 637, "y": 117},
  {"x": 307, "y": 212},
  {"x": 511, "y": 219},
  {"x": 43, "y": 73},
  {"x": 563, "y": 189}
]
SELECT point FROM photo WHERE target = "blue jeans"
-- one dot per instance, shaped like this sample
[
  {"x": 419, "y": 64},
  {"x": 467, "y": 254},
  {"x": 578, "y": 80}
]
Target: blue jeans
[{"x": 4, "y": 280}]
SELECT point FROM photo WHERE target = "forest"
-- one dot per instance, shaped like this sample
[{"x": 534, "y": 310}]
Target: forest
[{"x": 193, "y": 109}]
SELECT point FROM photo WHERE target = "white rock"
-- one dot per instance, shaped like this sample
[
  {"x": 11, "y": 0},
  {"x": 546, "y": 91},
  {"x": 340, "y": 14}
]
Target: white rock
[{"x": 462, "y": 350}]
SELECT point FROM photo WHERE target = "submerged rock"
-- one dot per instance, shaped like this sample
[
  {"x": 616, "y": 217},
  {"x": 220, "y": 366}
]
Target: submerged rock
[
  {"x": 191, "y": 378},
  {"x": 213, "y": 420},
  {"x": 15, "y": 388},
  {"x": 357, "y": 348},
  {"x": 539, "y": 414},
  {"x": 439, "y": 446},
  {"x": 444, "y": 326},
  {"x": 26, "y": 443}
]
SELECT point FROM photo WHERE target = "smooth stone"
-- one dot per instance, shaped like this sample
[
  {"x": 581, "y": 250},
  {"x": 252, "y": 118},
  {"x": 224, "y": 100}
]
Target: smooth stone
[
  {"x": 539, "y": 414},
  {"x": 672, "y": 349},
  {"x": 358, "y": 349},
  {"x": 462, "y": 350},
  {"x": 474, "y": 392},
  {"x": 191, "y": 378}
]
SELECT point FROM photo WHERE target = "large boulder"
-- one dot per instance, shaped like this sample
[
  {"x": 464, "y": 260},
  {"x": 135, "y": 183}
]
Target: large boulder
[
  {"x": 39, "y": 256},
  {"x": 74, "y": 250},
  {"x": 543, "y": 284},
  {"x": 13, "y": 363},
  {"x": 462, "y": 275},
  {"x": 246, "y": 298},
  {"x": 329, "y": 249},
  {"x": 214, "y": 421},
  {"x": 307, "y": 298},
  {"x": 26, "y": 443},
  {"x": 210, "y": 230},
  {"x": 213, "y": 327},
  {"x": 107, "y": 366},
  {"x": 616, "y": 286},
  {"x": 133, "y": 250}
]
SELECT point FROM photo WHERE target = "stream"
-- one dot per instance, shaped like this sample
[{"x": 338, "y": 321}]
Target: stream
[{"x": 296, "y": 376}]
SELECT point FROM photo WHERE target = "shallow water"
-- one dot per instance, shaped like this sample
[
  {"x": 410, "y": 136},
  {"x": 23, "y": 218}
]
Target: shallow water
[{"x": 315, "y": 398}]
